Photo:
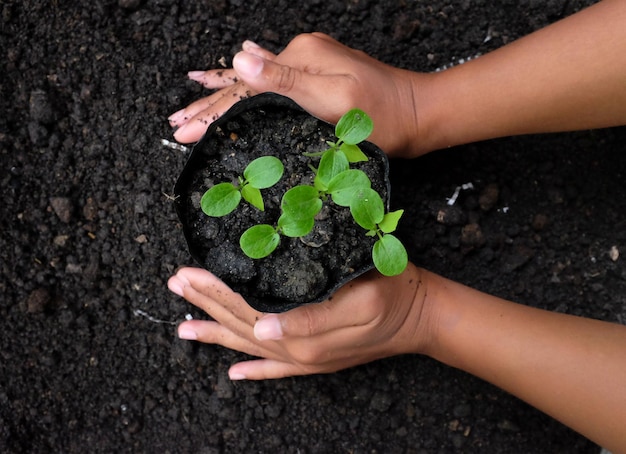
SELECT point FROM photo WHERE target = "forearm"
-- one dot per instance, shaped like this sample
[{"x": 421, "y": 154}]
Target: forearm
[
  {"x": 570, "y": 75},
  {"x": 571, "y": 368}
]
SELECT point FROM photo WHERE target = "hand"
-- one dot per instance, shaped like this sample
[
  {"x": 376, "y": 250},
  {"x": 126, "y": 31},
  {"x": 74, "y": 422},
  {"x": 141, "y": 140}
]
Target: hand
[
  {"x": 370, "y": 318},
  {"x": 324, "y": 77}
]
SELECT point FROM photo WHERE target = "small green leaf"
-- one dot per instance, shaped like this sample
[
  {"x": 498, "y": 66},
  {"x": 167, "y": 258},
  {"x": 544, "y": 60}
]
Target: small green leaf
[
  {"x": 264, "y": 172},
  {"x": 253, "y": 196},
  {"x": 293, "y": 227},
  {"x": 389, "y": 255},
  {"x": 367, "y": 208},
  {"x": 331, "y": 164},
  {"x": 354, "y": 127},
  {"x": 301, "y": 202},
  {"x": 390, "y": 221},
  {"x": 344, "y": 186},
  {"x": 259, "y": 241},
  {"x": 220, "y": 200},
  {"x": 353, "y": 152}
]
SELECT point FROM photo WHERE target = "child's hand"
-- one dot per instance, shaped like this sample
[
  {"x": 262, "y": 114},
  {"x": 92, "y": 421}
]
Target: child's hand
[
  {"x": 324, "y": 77},
  {"x": 372, "y": 317}
]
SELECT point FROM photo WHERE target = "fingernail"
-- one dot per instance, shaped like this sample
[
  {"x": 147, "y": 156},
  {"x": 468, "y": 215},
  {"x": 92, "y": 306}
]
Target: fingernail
[
  {"x": 247, "y": 44},
  {"x": 176, "y": 116},
  {"x": 180, "y": 129},
  {"x": 175, "y": 286},
  {"x": 236, "y": 376},
  {"x": 196, "y": 76},
  {"x": 268, "y": 328},
  {"x": 248, "y": 65},
  {"x": 187, "y": 333}
]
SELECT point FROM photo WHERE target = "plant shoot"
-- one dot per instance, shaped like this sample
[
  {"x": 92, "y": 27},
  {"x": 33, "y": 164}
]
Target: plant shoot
[{"x": 223, "y": 198}]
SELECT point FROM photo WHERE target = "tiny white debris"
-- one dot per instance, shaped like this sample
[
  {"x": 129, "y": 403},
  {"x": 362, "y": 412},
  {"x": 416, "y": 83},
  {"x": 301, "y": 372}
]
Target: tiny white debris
[
  {"x": 141, "y": 239},
  {"x": 174, "y": 145},
  {"x": 456, "y": 62},
  {"x": 151, "y": 318},
  {"x": 170, "y": 197},
  {"x": 188, "y": 317},
  {"x": 489, "y": 35},
  {"x": 614, "y": 253},
  {"x": 457, "y": 191}
]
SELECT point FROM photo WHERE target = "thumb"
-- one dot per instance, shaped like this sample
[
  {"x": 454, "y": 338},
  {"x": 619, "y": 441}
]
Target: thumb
[
  {"x": 263, "y": 75},
  {"x": 307, "y": 321}
]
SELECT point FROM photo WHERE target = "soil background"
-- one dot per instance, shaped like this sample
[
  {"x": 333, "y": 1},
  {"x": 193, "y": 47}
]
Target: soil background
[{"x": 89, "y": 356}]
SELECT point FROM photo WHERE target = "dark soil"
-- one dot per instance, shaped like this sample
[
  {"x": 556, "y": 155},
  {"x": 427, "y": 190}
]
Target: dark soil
[
  {"x": 301, "y": 270},
  {"x": 89, "y": 357}
]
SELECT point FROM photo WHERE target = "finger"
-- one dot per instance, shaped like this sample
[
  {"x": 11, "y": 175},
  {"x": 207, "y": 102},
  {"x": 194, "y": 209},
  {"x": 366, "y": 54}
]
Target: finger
[
  {"x": 210, "y": 332},
  {"x": 221, "y": 78},
  {"x": 254, "y": 48},
  {"x": 263, "y": 369},
  {"x": 183, "y": 116},
  {"x": 202, "y": 113},
  {"x": 214, "y": 78},
  {"x": 206, "y": 291}
]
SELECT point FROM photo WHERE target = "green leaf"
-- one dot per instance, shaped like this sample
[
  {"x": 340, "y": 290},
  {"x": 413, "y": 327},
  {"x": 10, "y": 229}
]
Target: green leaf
[
  {"x": 220, "y": 200},
  {"x": 331, "y": 164},
  {"x": 344, "y": 186},
  {"x": 389, "y": 255},
  {"x": 264, "y": 172},
  {"x": 301, "y": 202},
  {"x": 355, "y": 126},
  {"x": 367, "y": 208},
  {"x": 259, "y": 241},
  {"x": 253, "y": 196},
  {"x": 390, "y": 221},
  {"x": 293, "y": 227},
  {"x": 353, "y": 152}
]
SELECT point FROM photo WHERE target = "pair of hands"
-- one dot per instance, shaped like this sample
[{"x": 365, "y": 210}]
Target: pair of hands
[{"x": 370, "y": 318}]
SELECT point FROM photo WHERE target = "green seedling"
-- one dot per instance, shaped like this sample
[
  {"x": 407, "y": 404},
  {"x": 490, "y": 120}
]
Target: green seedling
[
  {"x": 352, "y": 128},
  {"x": 299, "y": 206},
  {"x": 389, "y": 255},
  {"x": 223, "y": 198},
  {"x": 301, "y": 203}
]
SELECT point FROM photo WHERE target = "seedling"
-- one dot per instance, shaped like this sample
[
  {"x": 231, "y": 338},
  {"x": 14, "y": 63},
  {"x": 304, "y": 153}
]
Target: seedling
[
  {"x": 389, "y": 255},
  {"x": 352, "y": 128},
  {"x": 223, "y": 198},
  {"x": 299, "y": 206}
]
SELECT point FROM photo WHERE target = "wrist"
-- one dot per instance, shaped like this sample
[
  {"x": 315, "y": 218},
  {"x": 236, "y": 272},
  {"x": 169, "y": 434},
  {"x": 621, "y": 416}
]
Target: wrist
[
  {"x": 430, "y": 316},
  {"x": 422, "y": 107},
  {"x": 417, "y": 333}
]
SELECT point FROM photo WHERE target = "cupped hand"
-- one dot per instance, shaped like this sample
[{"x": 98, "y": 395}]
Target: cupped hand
[
  {"x": 323, "y": 76},
  {"x": 370, "y": 318}
]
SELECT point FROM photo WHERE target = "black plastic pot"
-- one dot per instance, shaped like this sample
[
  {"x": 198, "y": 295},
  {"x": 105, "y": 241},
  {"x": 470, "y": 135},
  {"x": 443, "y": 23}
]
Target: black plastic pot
[{"x": 300, "y": 271}]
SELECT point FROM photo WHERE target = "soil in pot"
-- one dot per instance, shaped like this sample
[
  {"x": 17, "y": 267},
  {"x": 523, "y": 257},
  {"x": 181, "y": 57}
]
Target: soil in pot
[{"x": 300, "y": 270}]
